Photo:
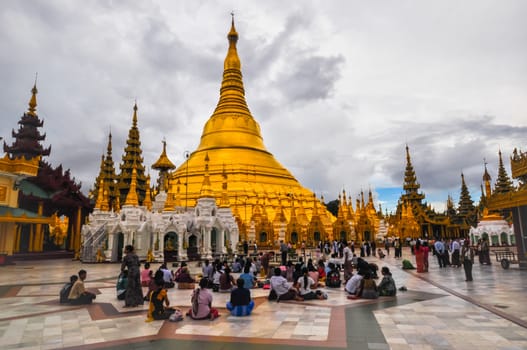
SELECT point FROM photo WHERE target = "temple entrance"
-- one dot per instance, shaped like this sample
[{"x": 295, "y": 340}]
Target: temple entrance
[
  {"x": 214, "y": 240},
  {"x": 316, "y": 237},
  {"x": 119, "y": 244},
  {"x": 24, "y": 238},
  {"x": 294, "y": 237},
  {"x": 343, "y": 236},
  {"x": 263, "y": 237},
  {"x": 192, "y": 250},
  {"x": 170, "y": 250},
  {"x": 367, "y": 235}
]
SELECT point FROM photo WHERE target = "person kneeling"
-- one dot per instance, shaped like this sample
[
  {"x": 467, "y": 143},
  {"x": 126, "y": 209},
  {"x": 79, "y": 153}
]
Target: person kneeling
[{"x": 240, "y": 303}]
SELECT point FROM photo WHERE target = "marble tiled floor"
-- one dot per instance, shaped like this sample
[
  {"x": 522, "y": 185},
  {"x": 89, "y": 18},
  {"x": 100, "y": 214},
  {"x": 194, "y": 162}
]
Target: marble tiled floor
[{"x": 439, "y": 311}]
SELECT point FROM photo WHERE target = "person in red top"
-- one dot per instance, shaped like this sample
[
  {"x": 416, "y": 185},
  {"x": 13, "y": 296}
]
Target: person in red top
[{"x": 321, "y": 271}]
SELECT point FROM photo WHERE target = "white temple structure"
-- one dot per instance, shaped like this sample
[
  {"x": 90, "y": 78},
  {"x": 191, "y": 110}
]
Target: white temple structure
[
  {"x": 167, "y": 232},
  {"x": 493, "y": 227}
]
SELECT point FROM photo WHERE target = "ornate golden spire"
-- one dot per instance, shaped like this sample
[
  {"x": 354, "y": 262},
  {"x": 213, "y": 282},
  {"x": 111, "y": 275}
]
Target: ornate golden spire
[
  {"x": 100, "y": 203},
  {"x": 206, "y": 188},
  {"x": 33, "y": 101},
  {"x": 163, "y": 163},
  {"x": 148, "y": 201},
  {"x": 232, "y": 116},
  {"x": 131, "y": 197}
]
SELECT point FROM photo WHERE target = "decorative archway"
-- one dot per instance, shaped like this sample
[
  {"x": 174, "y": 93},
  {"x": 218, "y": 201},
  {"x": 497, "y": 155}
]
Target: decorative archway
[
  {"x": 120, "y": 246},
  {"x": 192, "y": 250},
  {"x": 294, "y": 237},
  {"x": 263, "y": 237},
  {"x": 343, "y": 236},
  {"x": 504, "y": 238},
  {"x": 316, "y": 237},
  {"x": 214, "y": 240},
  {"x": 171, "y": 245}
]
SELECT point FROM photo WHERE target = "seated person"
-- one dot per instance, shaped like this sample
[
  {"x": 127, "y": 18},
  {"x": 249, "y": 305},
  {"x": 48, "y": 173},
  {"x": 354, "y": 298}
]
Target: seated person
[
  {"x": 202, "y": 303},
  {"x": 66, "y": 289},
  {"x": 146, "y": 275},
  {"x": 367, "y": 288},
  {"x": 237, "y": 266},
  {"x": 387, "y": 285},
  {"x": 180, "y": 270},
  {"x": 226, "y": 281},
  {"x": 352, "y": 286},
  {"x": 216, "y": 277},
  {"x": 240, "y": 303},
  {"x": 78, "y": 294},
  {"x": 122, "y": 283},
  {"x": 333, "y": 277},
  {"x": 321, "y": 270},
  {"x": 167, "y": 276},
  {"x": 159, "y": 306},
  {"x": 247, "y": 277},
  {"x": 313, "y": 273},
  {"x": 306, "y": 286},
  {"x": 380, "y": 253},
  {"x": 184, "y": 276},
  {"x": 282, "y": 288}
]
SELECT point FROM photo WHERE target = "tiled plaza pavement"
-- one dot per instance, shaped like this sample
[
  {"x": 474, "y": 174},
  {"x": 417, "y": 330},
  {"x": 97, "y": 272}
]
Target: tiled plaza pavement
[{"x": 439, "y": 311}]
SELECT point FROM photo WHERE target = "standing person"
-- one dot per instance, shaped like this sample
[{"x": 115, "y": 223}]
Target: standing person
[
  {"x": 426, "y": 253},
  {"x": 419, "y": 256},
  {"x": 373, "y": 247},
  {"x": 134, "y": 293},
  {"x": 348, "y": 268},
  {"x": 387, "y": 246},
  {"x": 439, "y": 248},
  {"x": 283, "y": 251},
  {"x": 455, "y": 253},
  {"x": 78, "y": 294},
  {"x": 245, "y": 248},
  {"x": 467, "y": 257},
  {"x": 485, "y": 251},
  {"x": 255, "y": 248},
  {"x": 397, "y": 248}
]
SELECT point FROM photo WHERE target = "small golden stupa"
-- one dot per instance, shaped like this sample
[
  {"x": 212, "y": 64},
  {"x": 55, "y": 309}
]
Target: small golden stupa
[{"x": 240, "y": 166}]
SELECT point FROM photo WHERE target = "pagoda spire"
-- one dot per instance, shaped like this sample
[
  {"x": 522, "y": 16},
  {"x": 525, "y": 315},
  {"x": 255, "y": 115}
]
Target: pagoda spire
[
  {"x": 107, "y": 174},
  {"x": 206, "y": 188},
  {"x": 28, "y": 137},
  {"x": 131, "y": 159},
  {"x": 466, "y": 204},
  {"x": 163, "y": 165},
  {"x": 232, "y": 115},
  {"x": 411, "y": 186},
  {"x": 486, "y": 180},
  {"x": 148, "y": 200},
  {"x": 33, "y": 101},
  {"x": 131, "y": 197},
  {"x": 503, "y": 181}
]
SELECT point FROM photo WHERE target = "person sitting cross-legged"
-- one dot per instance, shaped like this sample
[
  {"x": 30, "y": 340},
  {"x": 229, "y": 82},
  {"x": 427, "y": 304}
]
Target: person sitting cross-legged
[
  {"x": 387, "y": 286},
  {"x": 78, "y": 294},
  {"x": 159, "y": 306},
  {"x": 240, "y": 303}
]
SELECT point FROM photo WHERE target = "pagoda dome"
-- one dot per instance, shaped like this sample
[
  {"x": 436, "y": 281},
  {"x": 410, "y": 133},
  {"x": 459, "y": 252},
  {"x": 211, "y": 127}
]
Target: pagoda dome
[{"x": 233, "y": 144}]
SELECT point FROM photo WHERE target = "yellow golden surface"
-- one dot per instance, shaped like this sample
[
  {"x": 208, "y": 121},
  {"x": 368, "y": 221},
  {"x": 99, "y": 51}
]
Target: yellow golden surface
[{"x": 233, "y": 144}]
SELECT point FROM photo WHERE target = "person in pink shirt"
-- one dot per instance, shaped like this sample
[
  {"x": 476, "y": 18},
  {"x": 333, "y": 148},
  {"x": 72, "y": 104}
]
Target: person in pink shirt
[
  {"x": 202, "y": 303},
  {"x": 146, "y": 275}
]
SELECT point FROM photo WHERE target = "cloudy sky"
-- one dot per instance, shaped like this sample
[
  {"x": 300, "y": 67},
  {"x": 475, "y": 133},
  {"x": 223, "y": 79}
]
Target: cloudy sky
[{"x": 338, "y": 87}]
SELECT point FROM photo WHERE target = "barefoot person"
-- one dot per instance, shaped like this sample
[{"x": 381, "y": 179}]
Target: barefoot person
[{"x": 134, "y": 292}]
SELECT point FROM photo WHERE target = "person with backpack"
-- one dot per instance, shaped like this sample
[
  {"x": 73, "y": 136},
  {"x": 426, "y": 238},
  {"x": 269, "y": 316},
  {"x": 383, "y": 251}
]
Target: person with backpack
[
  {"x": 66, "y": 289},
  {"x": 333, "y": 277}
]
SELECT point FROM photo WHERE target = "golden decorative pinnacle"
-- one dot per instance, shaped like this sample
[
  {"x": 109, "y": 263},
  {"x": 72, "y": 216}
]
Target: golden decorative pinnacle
[{"x": 33, "y": 101}]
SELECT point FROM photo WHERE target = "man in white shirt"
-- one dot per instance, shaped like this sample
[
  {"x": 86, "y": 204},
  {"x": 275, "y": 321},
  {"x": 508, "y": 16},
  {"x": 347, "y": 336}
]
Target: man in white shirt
[
  {"x": 439, "y": 248},
  {"x": 352, "y": 286}
]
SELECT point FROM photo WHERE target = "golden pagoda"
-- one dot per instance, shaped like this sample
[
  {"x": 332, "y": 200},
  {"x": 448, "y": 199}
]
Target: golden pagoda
[{"x": 233, "y": 144}]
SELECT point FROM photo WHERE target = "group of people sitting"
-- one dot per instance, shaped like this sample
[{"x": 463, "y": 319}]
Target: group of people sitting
[
  {"x": 74, "y": 292},
  {"x": 362, "y": 284}
]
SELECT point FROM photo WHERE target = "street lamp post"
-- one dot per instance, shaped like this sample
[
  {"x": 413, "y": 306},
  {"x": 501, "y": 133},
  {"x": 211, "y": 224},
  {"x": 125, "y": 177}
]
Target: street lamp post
[{"x": 186, "y": 154}]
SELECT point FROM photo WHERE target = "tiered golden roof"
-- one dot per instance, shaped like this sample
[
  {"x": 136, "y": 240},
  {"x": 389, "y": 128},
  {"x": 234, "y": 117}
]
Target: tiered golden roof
[{"x": 232, "y": 141}]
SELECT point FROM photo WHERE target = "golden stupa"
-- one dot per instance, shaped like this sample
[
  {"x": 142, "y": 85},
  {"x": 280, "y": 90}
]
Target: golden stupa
[{"x": 241, "y": 169}]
